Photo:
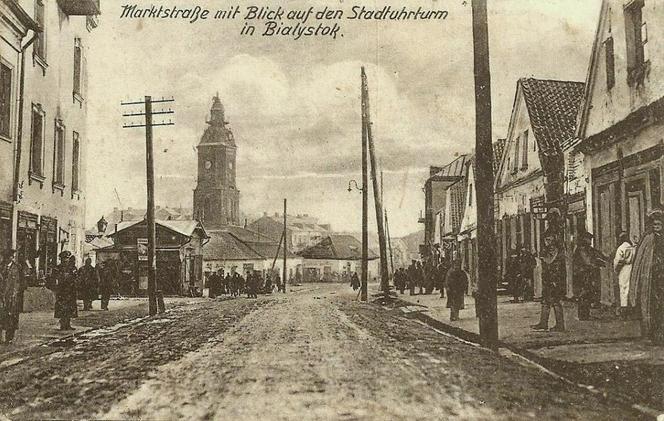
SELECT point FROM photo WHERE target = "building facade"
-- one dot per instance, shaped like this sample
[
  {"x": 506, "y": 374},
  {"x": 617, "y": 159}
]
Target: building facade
[
  {"x": 436, "y": 203},
  {"x": 530, "y": 177},
  {"x": 621, "y": 123},
  {"x": 17, "y": 29},
  {"x": 178, "y": 253},
  {"x": 49, "y": 129},
  {"x": 216, "y": 197}
]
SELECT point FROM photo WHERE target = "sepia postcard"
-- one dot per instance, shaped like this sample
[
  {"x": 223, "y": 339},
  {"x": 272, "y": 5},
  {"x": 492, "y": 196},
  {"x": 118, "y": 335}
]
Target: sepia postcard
[{"x": 332, "y": 209}]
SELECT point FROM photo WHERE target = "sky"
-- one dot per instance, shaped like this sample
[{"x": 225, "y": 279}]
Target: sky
[{"x": 294, "y": 105}]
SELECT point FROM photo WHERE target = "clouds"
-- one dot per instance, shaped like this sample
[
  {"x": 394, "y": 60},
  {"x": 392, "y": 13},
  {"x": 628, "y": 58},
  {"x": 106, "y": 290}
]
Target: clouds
[{"x": 294, "y": 106}]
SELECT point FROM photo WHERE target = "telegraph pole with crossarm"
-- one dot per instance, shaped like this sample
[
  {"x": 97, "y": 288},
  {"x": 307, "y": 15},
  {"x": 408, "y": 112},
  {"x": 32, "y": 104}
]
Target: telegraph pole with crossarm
[{"x": 156, "y": 300}]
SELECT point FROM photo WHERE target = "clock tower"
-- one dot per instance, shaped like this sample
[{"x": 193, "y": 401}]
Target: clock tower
[{"x": 216, "y": 197}]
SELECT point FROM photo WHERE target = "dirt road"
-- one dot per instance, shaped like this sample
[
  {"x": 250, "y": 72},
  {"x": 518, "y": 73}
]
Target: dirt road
[{"x": 310, "y": 354}]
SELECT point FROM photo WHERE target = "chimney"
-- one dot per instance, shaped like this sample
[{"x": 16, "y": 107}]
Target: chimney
[
  {"x": 245, "y": 223},
  {"x": 276, "y": 215},
  {"x": 264, "y": 213},
  {"x": 121, "y": 218}
]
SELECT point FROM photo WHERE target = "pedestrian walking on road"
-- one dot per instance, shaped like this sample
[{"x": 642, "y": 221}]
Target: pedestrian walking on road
[
  {"x": 65, "y": 291},
  {"x": 587, "y": 262},
  {"x": 646, "y": 289},
  {"x": 527, "y": 265},
  {"x": 456, "y": 283},
  {"x": 11, "y": 287},
  {"x": 89, "y": 284},
  {"x": 355, "y": 281},
  {"x": 107, "y": 283},
  {"x": 554, "y": 280},
  {"x": 622, "y": 265}
]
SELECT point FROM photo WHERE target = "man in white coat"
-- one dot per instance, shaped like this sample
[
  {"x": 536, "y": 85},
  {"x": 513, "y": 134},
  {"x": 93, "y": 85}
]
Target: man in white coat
[{"x": 622, "y": 265}]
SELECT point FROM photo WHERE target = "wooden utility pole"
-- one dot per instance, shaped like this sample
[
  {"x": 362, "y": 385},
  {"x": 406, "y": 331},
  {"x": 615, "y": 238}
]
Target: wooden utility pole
[
  {"x": 486, "y": 258},
  {"x": 155, "y": 299},
  {"x": 365, "y": 202},
  {"x": 389, "y": 243},
  {"x": 384, "y": 277},
  {"x": 285, "y": 247}
]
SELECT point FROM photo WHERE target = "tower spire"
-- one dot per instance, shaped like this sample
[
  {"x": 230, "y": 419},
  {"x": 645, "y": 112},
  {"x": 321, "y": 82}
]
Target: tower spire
[{"x": 217, "y": 117}]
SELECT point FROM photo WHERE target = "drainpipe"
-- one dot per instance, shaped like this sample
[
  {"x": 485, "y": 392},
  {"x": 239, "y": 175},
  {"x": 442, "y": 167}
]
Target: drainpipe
[
  {"x": 19, "y": 137},
  {"x": 21, "y": 101}
]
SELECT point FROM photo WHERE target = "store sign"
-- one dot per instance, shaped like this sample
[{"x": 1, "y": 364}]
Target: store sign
[{"x": 142, "y": 249}]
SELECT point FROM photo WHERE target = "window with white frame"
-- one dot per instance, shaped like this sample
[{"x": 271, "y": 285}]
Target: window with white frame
[{"x": 636, "y": 38}]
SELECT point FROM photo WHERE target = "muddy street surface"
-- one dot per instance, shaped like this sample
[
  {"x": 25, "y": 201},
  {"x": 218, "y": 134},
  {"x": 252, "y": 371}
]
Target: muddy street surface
[{"x": 313, "y": 353}]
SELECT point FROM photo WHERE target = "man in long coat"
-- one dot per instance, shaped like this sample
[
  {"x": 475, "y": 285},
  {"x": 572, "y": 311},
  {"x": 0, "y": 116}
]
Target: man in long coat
[
  {"x": 107, "y": 282},
  {"x": 65, "y": 291},
  {"x": 11, "y": 287},
  {"x": 554, "y": 283},
  {"x": 587, "y": 262},
  {"x": 456, "y": 283},
  {"x": 646, "y": 290},
  {"x": 88, "y": 283}
]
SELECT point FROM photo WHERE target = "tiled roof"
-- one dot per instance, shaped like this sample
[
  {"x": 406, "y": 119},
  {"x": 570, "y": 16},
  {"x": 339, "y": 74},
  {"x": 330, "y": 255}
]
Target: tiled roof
[
  {"x": 498, "y": 149},
  {"x": 237, "y": 243},
  {"x": 185, "y": 228},
  {"x": 553, "y": 106},
  {"x": 336, "y": 247},
  {"x": 225, "y": 246},
  {"x": 455, "y": 168}
]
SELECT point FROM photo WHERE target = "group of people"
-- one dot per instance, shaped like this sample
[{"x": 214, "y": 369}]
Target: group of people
[
  {"x": 448, "y": 278},
  {"x": 68, "y": 282},
  {"x": 519, "y": 272},
  {"x": 640, "y": 279},
  {"x": 425, "y": 278},
  {"x": 234, "y": 284}
]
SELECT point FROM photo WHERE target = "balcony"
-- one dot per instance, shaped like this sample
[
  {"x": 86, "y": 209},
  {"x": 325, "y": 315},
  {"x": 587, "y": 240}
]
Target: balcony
[{"x": 80, "y": 7}]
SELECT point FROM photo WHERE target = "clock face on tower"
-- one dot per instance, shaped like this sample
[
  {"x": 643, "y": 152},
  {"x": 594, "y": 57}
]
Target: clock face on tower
[{"x": 208, "y": 165}]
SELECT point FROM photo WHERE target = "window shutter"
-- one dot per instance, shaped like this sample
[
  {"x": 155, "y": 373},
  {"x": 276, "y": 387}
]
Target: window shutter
[
  {"x": 516, "y": 153},
  {"x": 524, "y": 163},
  {"x": 644, "y": 41},
  {"x": 610, "y": 63}
]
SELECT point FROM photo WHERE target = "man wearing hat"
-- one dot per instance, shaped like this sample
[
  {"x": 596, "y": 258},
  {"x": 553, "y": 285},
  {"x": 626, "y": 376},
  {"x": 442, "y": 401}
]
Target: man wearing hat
[
  {"x": 11, "y": 287},
  {"x": 587, "y": 262},
  {"x": 65, "y": 291}
]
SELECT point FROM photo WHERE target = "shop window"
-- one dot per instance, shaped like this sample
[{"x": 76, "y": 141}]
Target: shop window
[{"x": 5, "y": 99}]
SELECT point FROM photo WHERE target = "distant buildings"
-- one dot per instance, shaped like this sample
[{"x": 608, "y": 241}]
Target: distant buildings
[
  {"x": 302, "y": 230},
  {"x": 335, "y": 258}
]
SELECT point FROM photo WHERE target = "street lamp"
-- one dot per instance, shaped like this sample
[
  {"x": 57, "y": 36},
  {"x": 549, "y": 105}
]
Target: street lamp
[{"x": 357, "y": 187}]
